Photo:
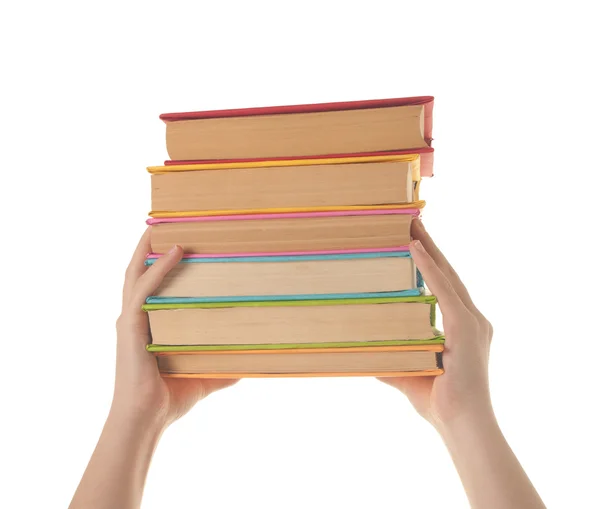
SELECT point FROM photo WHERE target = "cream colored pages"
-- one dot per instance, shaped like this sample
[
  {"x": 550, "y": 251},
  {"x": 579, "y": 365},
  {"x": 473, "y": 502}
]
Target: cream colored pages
[
  {"x": 289, "y": 278},
  {"x": 284, "y": 234},
  {"x": 338, "y": 362},
  {"x": 332, "y": 132},
  {"x": 294, "y": 324},
  {"x": 294, "y": 186}
]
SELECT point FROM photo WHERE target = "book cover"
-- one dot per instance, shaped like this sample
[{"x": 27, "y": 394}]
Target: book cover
[
  {"x": 432, "y": 345},
  {"x": 425, "y": 160},
  {"x": 379, "y": 250},
  {"x": 425, "y": 101},
  {"x": 158, "y": 217}
]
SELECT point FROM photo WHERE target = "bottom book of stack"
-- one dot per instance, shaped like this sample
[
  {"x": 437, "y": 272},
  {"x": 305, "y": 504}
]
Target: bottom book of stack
[{"x": 362, "y": 336}]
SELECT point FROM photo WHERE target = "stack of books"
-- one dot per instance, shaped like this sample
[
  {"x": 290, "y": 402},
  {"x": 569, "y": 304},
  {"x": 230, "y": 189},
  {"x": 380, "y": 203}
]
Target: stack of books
[{"x": 295, "y": 223}]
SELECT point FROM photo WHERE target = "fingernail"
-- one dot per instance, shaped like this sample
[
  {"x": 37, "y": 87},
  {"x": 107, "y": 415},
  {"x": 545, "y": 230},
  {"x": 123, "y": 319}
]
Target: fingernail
[
  {"x": 418, "y": 246},
  {"x": 174, "y": 249}
]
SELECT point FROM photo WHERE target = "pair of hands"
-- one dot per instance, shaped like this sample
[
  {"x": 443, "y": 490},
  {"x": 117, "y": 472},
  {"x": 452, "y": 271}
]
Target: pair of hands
[
  {"x": 461, "y": 391},
  {"x": 457, "y": 403}
]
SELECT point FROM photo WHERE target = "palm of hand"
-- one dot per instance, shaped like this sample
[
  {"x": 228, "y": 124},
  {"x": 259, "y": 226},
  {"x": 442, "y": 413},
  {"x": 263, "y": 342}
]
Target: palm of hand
[{"x": 138, "y": 383}]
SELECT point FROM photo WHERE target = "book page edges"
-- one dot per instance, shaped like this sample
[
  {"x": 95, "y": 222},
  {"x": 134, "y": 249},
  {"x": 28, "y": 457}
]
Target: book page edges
[
  {"x": 426, "y": 159},
  {"x": 414, "y": 158},
  {"x": 411, "y": 208},
  {"x": 425, "y": 299},
  {"x": 435, "y": 345},
  {"x": 332, "y": 252},
  {"x": 433, "y": 372}
]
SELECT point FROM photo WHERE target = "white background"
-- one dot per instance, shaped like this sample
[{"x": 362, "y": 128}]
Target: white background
[{"x": 513, "y": 205}]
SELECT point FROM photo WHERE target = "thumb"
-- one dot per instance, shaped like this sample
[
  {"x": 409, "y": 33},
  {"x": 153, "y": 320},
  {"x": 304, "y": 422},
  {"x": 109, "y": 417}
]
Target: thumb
[
  {"x": 395, "y": 382},
  {"x": 152, "y": 278},
  {"x": 414, "y": 388}
]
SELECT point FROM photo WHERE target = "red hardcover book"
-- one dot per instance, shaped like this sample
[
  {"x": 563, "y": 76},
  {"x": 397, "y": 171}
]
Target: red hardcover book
[{"x": 303, "y": 132}]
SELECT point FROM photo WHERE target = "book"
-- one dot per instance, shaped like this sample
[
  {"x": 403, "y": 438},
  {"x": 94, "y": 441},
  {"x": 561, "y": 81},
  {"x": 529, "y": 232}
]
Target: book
[
  {"x": 295, "y": 223},
  {"x": 289, "y": 131},
  {"x": 290, "y": 275},
  {"x": 271, "y": 233},
  {"x": 425, "y": 160},
  {"x": 380, "y": 251},
  {"x": 157, "y": 217},
  {"x": 407, "y": 344},
  {"x": 153, "y": 299},
  {"x": 293, "y": 322},
  {"x": 370, "y": 361},
  {"x": 250, "y": 188}
]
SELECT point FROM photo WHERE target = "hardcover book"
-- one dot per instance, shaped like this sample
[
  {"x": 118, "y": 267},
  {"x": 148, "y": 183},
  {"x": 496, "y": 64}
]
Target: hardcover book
[
  {"x": 302, "y": 130},
  {"x": 272, "y": 276},
  {"x": 293, "y": 322},
  {"x": 293, "y": 232},
  {"x": 369, "y": 361},
  {"x": 206, "y": 187}
]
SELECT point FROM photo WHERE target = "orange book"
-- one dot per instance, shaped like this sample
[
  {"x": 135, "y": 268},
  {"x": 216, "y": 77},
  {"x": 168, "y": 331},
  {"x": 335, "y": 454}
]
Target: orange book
[
  {"x": 295, "y": 186},
  {"x": 417, "y": 360}
]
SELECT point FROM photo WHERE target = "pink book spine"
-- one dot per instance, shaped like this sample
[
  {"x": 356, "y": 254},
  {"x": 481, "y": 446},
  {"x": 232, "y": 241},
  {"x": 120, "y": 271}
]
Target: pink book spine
[
  {"x": 292, "y": 253},
  {"x": 286, "y": 215}
]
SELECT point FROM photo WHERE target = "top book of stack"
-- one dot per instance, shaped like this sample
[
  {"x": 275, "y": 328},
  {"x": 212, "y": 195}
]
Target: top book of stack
[{"x": 375, "y": 127}]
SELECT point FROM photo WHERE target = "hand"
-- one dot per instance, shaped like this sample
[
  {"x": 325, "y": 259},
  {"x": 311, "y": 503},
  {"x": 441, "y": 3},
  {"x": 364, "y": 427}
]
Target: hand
[
  {"x": 463, "y": 389},
  {"x": 139, "y": 388}
]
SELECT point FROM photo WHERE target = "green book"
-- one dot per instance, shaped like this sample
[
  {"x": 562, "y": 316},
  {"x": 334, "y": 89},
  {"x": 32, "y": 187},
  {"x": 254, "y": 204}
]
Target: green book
[{"x": 309, "y": 324}]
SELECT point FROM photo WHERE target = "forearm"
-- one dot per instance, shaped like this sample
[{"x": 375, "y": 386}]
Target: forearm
[
  {"x": 490, "y": 472},
  {"x": 116, "y": 473}
]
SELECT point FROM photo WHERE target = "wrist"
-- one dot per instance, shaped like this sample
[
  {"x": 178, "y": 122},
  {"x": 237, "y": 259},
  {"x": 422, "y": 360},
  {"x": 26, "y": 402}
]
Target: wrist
[
  {"x": 128, "y": 417},
  {"x": 476, "y": 421}
]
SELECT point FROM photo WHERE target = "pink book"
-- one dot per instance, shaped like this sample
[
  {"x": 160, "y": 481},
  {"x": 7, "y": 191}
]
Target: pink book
[
  {"x": 293, "y": 253},
  {"x": 333, "y": 232},
  {"x": 285, "y": 215}
]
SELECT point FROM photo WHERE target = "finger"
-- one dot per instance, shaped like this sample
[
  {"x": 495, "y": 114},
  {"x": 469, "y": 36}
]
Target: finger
[
  {"x": 150, "y": 280},
  {"x": 419, "y": 233},
  {"x": 136, "y": 266},
  {"x": 415, "y": 388},
  {"x": 450, "y": 303},
  {"x": 216, "y": 384}
]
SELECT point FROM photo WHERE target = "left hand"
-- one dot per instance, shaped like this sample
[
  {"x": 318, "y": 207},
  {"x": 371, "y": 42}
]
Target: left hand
[
  {"x": 139, "y": 387},
  {"x": 462, "y": 392}
]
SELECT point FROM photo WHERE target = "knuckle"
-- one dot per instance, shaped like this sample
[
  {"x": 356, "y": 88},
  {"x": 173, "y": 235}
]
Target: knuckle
[
  {"x": 485, "y": 325},
  {"x": 473, "y": 324},
  {"x": 462, "y": 323},
  {"x": 490, "y": 330},
  {"x": 138, "y": 301},
  {"x": 120, "y": 323},
  {"x": 129, "y": 272}
]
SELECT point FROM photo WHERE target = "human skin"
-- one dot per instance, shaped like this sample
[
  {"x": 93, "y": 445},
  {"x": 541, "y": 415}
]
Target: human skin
[
  {"x": 456, "y": 403},
  {"x": 144, "y": 403}
]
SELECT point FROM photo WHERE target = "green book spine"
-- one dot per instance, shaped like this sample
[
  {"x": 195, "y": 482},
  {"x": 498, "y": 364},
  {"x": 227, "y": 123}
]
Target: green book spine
[
  {"x": 438, "y": 340},
  {"x": 426, "y": 299}
]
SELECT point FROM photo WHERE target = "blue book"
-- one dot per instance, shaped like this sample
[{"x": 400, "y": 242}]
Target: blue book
[{"x": 290, "y": 278}]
